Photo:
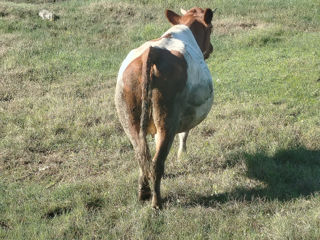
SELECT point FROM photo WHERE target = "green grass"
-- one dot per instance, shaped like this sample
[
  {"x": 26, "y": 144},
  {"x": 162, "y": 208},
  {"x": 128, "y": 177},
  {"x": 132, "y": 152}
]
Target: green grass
[{"x": 67, "y": 170}]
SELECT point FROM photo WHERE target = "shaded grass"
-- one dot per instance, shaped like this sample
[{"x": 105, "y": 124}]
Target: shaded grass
[{"x": 288, "y": 174}]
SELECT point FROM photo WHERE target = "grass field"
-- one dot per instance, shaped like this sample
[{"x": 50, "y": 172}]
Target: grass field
[{"x": 67, "y": 170}]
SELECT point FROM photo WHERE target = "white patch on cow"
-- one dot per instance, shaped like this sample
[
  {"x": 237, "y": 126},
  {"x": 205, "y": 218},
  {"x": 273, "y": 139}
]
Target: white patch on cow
[
  {"x": 183, "y": 12},
  {"x": 198, "y": 95}
]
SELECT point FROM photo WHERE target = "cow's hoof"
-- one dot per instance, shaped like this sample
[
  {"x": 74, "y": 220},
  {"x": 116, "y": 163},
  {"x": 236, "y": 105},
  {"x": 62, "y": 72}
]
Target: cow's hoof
[
  {"x": 157, "y": 207},
  {"x": 156, "y": 204},
  {"x": 145, "y": 195}
]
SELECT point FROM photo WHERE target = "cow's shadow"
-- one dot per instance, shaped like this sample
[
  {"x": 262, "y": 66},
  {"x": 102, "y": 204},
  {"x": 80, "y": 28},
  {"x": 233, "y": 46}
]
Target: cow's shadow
[{"x": 288, "y": 174}]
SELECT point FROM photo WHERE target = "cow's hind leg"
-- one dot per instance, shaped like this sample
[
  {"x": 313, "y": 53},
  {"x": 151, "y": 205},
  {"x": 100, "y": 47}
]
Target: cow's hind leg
[
  {"x": 144, "y": 160},
  {"x": 182, "y": 143},
  {"x": 144, "y": 191},
  {"x": 130, "y": 125},
  {"x": 163, "y": 143}
]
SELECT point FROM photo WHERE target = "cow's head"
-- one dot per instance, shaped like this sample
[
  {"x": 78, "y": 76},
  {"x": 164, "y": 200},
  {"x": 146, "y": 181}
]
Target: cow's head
[{"x": 199, "y": 22}]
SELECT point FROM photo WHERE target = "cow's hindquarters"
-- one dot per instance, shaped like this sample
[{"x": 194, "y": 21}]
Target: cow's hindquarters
[
  {"x": 129, "y": 104},
  {"x": 148, "y": 100}
]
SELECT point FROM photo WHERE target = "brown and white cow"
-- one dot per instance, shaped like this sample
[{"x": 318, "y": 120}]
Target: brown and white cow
[{"x": 164, "y": 87}]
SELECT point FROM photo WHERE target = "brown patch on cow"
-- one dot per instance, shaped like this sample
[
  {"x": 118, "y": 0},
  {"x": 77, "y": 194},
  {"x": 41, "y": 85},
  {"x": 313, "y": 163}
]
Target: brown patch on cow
[
  {"x": 132, "y": 93},
  {"x": 169, "y": 76},
  {"x": 170, "y": 72}
]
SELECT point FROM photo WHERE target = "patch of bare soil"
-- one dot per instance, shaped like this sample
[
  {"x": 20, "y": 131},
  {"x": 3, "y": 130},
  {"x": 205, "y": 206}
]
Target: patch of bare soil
[
  {"x": 229, "y": 26},
  {"x": 4, "y": 225}
]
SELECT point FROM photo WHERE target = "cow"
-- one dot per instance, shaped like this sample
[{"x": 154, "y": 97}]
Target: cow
[{"x": 164, "y": 88}]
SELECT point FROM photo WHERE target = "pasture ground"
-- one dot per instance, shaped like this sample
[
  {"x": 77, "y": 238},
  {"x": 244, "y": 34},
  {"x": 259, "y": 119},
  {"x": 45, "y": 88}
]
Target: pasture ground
[{"x": 67, "y": 170}]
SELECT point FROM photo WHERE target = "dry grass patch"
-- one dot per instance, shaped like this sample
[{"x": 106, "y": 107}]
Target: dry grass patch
[
  {"x": 13, "y": 11},
  {"x": 8, "y": 42},
  {"x": 117, "y": 11},
  {"x": 231, "y": 26}
]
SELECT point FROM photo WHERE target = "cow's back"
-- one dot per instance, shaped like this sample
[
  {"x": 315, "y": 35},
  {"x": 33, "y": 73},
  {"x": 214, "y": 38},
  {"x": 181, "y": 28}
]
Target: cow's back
[{"x": 196, "y": 94}]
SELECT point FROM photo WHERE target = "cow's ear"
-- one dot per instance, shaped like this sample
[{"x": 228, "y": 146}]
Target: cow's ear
[
  {"x": 173, "y": 18},
  {"x": 208, "y": 14}
]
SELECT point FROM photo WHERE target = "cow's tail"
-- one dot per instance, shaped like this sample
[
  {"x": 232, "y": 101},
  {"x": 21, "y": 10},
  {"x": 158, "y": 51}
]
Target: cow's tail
[{"x": 146, "y": 108}]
